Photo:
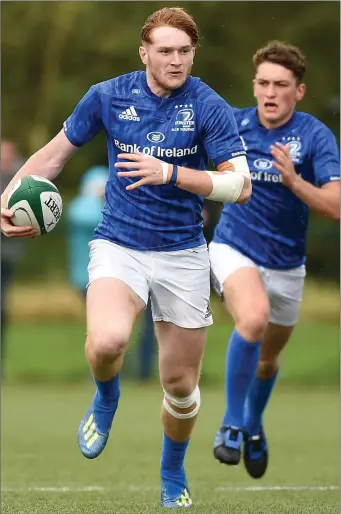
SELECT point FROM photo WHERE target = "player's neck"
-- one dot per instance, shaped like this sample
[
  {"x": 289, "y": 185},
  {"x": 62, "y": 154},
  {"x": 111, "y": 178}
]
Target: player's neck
[
  {"x": 157, "y": 88},
  {"x": 276, "y": 123}
]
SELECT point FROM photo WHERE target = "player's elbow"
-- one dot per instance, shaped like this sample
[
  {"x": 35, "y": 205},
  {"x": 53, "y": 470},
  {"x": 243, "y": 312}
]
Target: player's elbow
[
  {"x": 232, "y": 186},
  {"x": 334, "y": 215},
  {"x": 246, "y": 192}
]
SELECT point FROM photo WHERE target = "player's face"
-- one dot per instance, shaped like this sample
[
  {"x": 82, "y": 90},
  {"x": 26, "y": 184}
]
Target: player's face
[
  {"x": 168, "y": 59},
  {"x": 277, "y": 92}
]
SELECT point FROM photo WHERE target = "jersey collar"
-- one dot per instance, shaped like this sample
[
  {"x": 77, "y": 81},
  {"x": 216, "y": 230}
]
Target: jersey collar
[{"x": 285, "y": 126}]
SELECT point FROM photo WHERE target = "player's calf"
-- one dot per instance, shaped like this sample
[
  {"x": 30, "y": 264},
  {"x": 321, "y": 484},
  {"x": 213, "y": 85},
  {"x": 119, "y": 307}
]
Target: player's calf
[
  {"x": 178, "y": 416},
  {"x": 104, "y": 351}
]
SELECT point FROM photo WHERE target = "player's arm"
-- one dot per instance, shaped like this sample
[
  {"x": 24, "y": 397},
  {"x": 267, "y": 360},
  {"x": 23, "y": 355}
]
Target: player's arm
[
  {"x": 231, "y": 183},
  {"x": 83, "y": 124},
  {"x": 223, "y": 145},
  {"x": 47, "y": 162},
  {"x": 325, "y": 199}
]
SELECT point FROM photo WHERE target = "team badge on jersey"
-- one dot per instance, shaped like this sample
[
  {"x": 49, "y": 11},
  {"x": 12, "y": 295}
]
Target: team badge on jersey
[
  {"x": 184, "y": 121},
  {"x": 295, "y": 146}
]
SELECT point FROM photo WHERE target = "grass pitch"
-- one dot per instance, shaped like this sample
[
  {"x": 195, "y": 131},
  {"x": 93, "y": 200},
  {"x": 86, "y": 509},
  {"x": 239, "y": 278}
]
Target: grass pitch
[{"x": 43, "y": 471}]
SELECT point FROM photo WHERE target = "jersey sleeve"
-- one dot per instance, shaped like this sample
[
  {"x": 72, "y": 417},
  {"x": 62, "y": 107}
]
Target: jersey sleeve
[
  {"x": 86, "y": 120},
  {"x": 326, "y": 159},
  {"x": 220, "y": 134}
]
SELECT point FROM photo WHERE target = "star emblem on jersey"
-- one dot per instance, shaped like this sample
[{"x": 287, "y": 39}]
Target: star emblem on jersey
[{"x": 129, "y": 114}]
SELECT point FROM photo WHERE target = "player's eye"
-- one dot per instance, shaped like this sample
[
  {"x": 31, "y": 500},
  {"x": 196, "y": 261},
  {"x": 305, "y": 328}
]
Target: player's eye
[{"x": 164, "y": 52}]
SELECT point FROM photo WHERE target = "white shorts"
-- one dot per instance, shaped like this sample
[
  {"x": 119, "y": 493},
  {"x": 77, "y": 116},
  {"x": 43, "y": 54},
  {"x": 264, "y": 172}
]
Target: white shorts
[
  {"x": 284, "y": 287},
  {"x": 178, "y": 282}
]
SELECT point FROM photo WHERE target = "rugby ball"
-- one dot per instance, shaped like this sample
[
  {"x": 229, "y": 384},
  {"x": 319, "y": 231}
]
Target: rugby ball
[{"x": 35, "y": 202}]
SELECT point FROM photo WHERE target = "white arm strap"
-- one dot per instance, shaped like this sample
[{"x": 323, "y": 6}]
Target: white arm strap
[{"x": 227, "y": 186}]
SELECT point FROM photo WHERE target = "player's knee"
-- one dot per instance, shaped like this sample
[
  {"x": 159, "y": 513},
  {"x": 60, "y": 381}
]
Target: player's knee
[
  {"x": 179, "y": 384},
  {"x": 267, "y": 368},
  {"x": 252, "y": 325},
  {"x": 107, "y": 345},
  {"x": 182, "y": 407}
]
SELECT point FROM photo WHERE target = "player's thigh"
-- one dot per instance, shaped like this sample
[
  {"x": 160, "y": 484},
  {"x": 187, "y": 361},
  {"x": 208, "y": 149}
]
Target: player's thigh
[
  {"x": 118, "y": 288},
  {"x": 180, "y": 289},
  {"x": 275, "y": 339},
  {"x": 285, "y": 289},
  {"x": 180, "y": 355},
  {"x": 111, "y": 306},
  {"x": 237, "y": 279}
]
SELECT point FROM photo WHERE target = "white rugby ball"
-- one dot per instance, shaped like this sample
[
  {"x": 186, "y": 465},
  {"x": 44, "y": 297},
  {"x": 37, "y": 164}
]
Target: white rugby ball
[{"x": 35, "y": 202}]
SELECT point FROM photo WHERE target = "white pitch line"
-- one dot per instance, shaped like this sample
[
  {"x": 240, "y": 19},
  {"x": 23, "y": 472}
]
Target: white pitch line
[
  {"x": 279, "y": 488},
  {"x": 136, "y": 488},
  {"x": 52, "y": 489}
]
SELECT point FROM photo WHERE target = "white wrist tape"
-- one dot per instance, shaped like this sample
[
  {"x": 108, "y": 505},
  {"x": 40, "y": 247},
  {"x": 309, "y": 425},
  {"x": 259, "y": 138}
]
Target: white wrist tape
[
  {"x": 164, "y": 172},
  {"x": 227, "y": 187}
]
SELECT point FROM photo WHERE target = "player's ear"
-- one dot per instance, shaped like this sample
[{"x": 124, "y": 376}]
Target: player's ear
[
  {"x": 143, "y": 54},
  {"x": 300, "y": 92}
]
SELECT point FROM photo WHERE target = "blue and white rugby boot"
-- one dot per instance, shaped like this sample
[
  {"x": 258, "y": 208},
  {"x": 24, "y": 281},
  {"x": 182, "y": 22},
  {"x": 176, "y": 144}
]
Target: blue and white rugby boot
[
  {"x": 174, "y": 491},
  {"x": 227, "y": 445},
  {"x": 256, "y": 454},
  {"x": 90, "y": 440}
]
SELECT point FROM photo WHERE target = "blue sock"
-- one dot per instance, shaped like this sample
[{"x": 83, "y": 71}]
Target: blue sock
[
  {"x": 173, "y": 456},
  {"x": 241, "y": 364},
  {"x": 257, "y": 399},
  {"x": 106, "y": 401}
]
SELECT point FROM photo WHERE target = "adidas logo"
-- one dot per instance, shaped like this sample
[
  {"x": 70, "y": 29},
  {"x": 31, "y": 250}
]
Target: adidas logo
[{"x": 129, "y": 114}]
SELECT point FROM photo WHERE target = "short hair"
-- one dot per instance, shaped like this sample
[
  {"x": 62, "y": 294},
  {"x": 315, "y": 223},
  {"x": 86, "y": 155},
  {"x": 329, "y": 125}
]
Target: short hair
[
  {"x": 288, "y": 56},
  {"x": 175, "y": 17}
]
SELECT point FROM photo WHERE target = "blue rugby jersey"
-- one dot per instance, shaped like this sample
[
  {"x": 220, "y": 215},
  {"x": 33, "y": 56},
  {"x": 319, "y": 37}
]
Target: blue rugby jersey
[
  {"x": 190, "y": 127},
  {"x": 271, "y": 227}
]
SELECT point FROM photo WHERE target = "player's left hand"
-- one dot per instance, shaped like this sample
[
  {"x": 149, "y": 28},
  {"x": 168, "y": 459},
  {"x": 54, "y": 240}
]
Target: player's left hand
[
  {"x": 147, "y": 167},
  {"x": 284, "y": 164}
]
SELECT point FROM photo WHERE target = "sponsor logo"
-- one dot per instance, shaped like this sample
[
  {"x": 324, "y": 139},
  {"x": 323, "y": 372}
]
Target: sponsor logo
[
  {"x": 264, "y": 176},
  {"x": 245, "y": 122},
  {"x": 136, "y": 91},
  {"x": 156, "y": 151},
  {"x": 262, "y": 164},
  {"x": 156, "y": 137},
  {"x": 129, "y": 114},
  {"x": 184, "y": 121}
]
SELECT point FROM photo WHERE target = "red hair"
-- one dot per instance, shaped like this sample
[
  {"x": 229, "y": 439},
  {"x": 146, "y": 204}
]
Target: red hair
[{"x": 170, "y": 17}]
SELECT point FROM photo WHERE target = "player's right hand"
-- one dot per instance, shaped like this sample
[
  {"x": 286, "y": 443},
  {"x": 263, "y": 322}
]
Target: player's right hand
[{"x": 10, "y": 230}]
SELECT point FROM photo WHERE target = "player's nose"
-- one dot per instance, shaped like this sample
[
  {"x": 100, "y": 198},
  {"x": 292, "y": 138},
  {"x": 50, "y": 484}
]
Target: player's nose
[
  {"x": 270, "y": 91},
  {"x": 176, "y": 61}
]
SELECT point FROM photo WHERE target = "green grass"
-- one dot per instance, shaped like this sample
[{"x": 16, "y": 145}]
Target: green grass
[
  {"x": 55, "y": 352},
  {"x": 39, "y": 450}
]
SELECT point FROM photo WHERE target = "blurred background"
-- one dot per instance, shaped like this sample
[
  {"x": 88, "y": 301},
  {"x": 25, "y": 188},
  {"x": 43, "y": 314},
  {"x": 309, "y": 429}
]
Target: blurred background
[{"x": 52, "y": 52}]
